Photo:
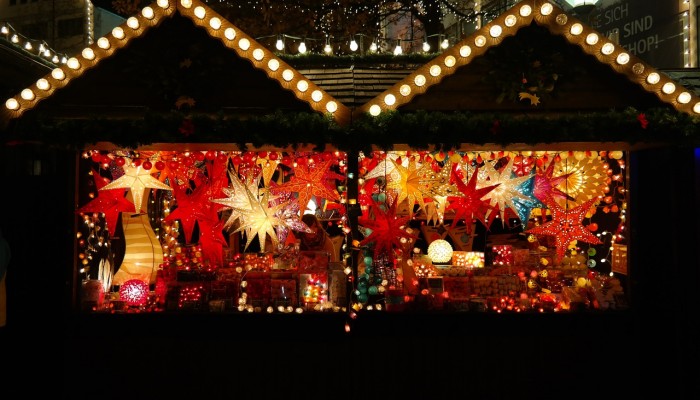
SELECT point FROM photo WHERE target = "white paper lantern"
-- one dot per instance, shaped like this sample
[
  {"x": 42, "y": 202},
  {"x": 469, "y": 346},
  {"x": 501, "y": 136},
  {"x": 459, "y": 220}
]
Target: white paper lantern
[{"x": 440, "y": 251}]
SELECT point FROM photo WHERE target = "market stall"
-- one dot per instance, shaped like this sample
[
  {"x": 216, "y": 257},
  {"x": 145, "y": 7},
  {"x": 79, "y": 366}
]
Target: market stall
[{"x": 492, "y": 179}]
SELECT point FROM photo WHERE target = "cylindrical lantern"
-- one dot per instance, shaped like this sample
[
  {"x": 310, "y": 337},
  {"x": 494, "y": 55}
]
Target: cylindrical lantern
[{"x": 440, "y": 251}]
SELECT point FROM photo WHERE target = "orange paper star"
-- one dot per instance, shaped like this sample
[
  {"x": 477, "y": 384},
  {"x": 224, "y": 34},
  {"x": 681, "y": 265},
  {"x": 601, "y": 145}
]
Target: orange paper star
[{"x": 308, "y": 182}]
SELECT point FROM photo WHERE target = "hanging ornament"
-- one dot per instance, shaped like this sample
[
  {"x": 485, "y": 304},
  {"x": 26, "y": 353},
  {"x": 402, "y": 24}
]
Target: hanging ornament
[
  {"x": 413, "y": 185},
  {"x": 385, "y": 229},
  {"x": 509, "y": 187},
  {"x": 547, "y": 185},
  {"x": 237, "y": 197},
  {"x": 470, "y": 205},
  {"x": 308, "y": 182},
  {"x": 566, "y": 226},
  {"x": 109, "y": 202},
  {"x": 137, "y": 180}
]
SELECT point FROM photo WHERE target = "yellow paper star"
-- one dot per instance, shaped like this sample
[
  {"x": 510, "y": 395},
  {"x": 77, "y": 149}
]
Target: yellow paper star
[
  {"x": 137, "y": 180},
  {"x": 268, "y": 168},
  {"x": 413, "y": 184}
]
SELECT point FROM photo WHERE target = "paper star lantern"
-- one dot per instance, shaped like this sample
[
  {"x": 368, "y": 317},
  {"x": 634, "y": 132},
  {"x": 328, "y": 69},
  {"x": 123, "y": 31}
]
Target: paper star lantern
[
  {"x": 386, "y": 229},
  {"x": 268, "y": 168},
  {"x": 470, "y": 205},
  {"x": 413, "y": 184},
  {"x": 264, "y": 216},
  {"x": 566, "y": 226},
  {"x": 384, "y": 168},
  {"x": 197, "y": 207},
  {"x": 546, "y": 184},
  {"x": 310, "y": 181},
  {"x": 137, "y": 180},
  {"x": 237, "y": 197},
  {"x": 523, "y": 204},
  {"x": 509, "y": 187},
  {"x": 109, "y": 202},
  {"x": 585, "y": 179}
]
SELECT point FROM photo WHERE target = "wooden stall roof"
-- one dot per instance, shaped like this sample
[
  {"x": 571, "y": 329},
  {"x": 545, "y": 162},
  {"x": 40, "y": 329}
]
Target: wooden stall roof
[
  {"x": 173, "y": 56},
  {"x": 539, "y": 58}
]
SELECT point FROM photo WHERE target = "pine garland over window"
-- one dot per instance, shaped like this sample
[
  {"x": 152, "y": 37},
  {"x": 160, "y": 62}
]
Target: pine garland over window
[{"x": 419, "y": 130}]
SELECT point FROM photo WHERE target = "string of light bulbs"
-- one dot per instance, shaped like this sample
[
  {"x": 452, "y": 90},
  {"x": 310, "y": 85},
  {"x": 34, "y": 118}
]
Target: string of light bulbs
[{"x": 38, "y": 47}]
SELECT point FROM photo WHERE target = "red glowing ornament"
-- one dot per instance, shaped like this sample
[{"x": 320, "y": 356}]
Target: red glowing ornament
[
  {"x": 566, "y": 226},
  {"x": 160, "y": 165},
  {"x": 469, "y": 205},
  {"x": 120, "y": 161},
  {"x": 147, "y": 165},
  {"x": 134, "y": 292},
  {"x": 108, "y": 202},
  {"x": 386, "y": 229}
]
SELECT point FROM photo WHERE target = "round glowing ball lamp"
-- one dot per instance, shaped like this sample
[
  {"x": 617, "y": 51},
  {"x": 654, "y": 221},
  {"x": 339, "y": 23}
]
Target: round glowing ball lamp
[
  {"x": 134, "y": 292},
  {"x": 440, "y": 251}
]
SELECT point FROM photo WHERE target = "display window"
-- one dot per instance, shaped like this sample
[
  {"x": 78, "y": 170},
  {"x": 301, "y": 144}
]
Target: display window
[{"x": 229, "y": 231}]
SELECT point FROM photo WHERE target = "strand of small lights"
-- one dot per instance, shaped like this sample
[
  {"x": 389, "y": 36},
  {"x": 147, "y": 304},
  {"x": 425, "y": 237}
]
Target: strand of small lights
[
  {"x": 685, "y": 23},
  {"x": 31, "y": 45},
  {"x": 93, "y": 238},
  {"x": 89, "y": 25}
]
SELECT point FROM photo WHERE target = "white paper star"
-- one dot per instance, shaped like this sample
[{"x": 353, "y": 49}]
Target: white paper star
[
  {"x": 137, "y": 180},
  {"x": 509, "y": 187},
  {"x": 237, "y": 196}
]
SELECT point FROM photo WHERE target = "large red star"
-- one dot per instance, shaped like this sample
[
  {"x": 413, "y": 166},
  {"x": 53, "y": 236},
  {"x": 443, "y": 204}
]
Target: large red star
[
  {"x": 387, "y": 229},
  {"x": 565, "y": 225},
  {"x": 196, "y": 206},
  {"x": 308, "y": 182},
  {"x": 109, "y": 202},
  {"x": 469, "y": 205}
]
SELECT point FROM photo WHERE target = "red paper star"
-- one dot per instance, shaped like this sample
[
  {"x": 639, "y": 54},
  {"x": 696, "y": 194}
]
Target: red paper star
[
  {"x": 546, "y": 184},
  {"x": 387, "y": 229},
  {"x": 308, "y": 182},
  {"x": 565, "y": 225},
  {"x": 469, "y": 205},
  {"x": 196, "y": 207},
  {"x": 109, "y": 202}
]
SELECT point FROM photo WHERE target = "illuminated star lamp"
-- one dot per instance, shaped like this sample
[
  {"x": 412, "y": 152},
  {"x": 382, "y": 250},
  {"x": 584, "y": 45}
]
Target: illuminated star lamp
[
  {"x": 308, "y": 182},
  {"x": 134, "y": 292},
  {"x": 440, "y": 251},
  {"x": 108, "y": 202},
  {"x": 137, "y": 180},
  {"x": 386, "y": 230},
  {"x": 566, "y": 226}
]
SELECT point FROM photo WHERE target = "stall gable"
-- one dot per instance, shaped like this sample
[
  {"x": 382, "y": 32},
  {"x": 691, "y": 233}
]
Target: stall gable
[
  {"x": 151, "y": 18},
  {"x": 521, "y": 16}
]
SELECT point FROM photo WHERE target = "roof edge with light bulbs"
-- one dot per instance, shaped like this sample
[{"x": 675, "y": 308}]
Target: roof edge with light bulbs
[{"x": 377, "y": 124}]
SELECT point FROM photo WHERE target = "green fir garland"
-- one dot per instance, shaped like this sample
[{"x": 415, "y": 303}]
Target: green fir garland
[{"x": 418, "y": 130}]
